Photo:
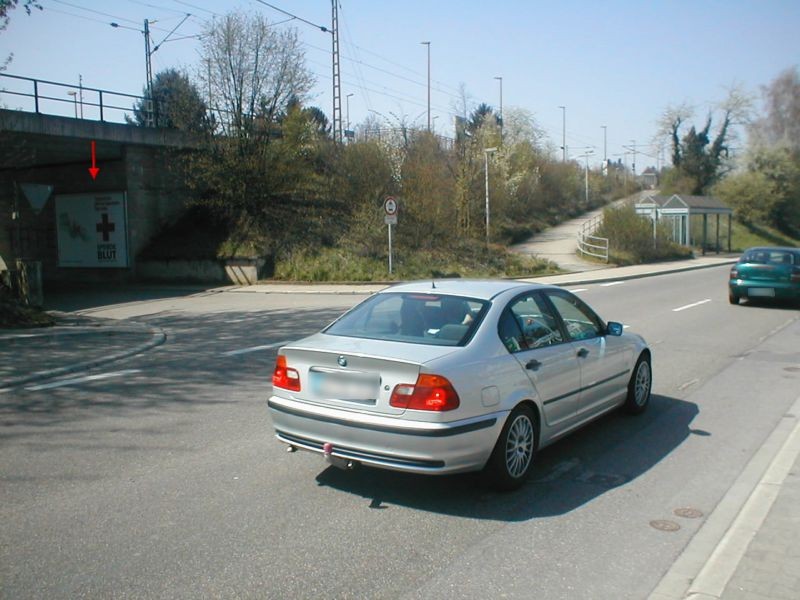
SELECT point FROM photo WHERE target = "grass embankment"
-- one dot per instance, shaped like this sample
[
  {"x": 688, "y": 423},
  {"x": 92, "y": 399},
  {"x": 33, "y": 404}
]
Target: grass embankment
[
  {"x": 196, "y": 236},
  {"x": 470, "y": 260}
]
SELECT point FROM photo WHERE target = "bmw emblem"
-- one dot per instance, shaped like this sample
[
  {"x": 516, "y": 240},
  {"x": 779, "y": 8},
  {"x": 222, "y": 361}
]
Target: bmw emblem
[{"x": 342, "y": 361}]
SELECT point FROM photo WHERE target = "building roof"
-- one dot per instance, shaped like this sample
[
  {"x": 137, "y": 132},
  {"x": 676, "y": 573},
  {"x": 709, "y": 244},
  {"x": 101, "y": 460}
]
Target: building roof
[{"x": 693, "y": 204}]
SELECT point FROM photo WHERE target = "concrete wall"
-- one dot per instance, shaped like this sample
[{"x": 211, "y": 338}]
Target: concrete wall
[
  {"x": 155, "y": 195},
  {"x": 56, "y": 151}
]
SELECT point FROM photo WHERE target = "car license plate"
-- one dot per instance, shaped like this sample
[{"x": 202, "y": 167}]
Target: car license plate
[
  {"x": 761, "y": 292},
  {"x": 354, "y": 387}
]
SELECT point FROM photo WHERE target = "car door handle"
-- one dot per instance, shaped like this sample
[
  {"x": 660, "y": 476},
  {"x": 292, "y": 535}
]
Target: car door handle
[
  {"x": 583, "y": 353},
  {"x": 533, "y": 365}
]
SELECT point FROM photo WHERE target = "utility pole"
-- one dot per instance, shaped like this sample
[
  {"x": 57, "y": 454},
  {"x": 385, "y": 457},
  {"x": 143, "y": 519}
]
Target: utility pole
[
  {"x": 80, "y": 90},
  {"x": 337, "y": 82},
  {"x": 149, "y": 105},
  {"x": 500, "y": 79},
  {"x": 428, "y": 44},
  {"x": 633, "y": 169},
  {"x": 563, "y": 133}
]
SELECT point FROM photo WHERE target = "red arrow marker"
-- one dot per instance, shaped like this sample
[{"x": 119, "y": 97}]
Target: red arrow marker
[{"x": 93, "y": 170}]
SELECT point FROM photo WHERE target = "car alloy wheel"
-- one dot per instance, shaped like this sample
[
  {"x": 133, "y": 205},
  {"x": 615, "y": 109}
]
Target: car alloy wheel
[
  {"x": 513, "y": 454},
  {"x": 519, "y": 446},
  {"x": 640, "y": 386}
]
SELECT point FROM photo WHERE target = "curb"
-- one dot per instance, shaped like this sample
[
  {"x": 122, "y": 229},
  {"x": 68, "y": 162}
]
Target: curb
[
  {"x": 603, "y": 279},
  {"x": 706, "y": 565},
  {"x": 580, "y": 278},
  {"x": 157, "y": 337}
]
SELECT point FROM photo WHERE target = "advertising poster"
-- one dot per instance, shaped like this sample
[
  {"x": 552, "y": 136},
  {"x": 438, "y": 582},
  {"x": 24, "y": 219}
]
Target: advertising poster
[{"x": 92, "y": 230}]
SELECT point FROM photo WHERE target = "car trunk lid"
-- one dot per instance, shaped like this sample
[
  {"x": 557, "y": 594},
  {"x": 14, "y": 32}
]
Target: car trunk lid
[
  {"x": 353, "y": 373},
  {"x": 764, "y": 272}
]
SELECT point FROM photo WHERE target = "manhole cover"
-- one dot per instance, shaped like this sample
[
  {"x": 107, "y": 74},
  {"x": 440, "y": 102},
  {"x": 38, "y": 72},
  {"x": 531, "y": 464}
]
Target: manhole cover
[
  {"x": 662, "y": 525},
  {"x": 688, "y": 513}
]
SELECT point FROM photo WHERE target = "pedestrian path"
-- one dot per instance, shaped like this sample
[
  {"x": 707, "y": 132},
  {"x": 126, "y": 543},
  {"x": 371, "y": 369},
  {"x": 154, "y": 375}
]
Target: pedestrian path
[{"x": 559, "y": 244}]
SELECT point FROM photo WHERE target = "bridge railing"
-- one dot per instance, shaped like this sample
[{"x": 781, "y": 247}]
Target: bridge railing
[
  {"x": 68, "y": 100},
  {"x": 590, "y": 244}
]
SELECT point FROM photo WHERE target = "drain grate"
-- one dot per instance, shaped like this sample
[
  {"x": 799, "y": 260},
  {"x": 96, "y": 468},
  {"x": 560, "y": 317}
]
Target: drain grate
[{"x": 663, "y": 525}]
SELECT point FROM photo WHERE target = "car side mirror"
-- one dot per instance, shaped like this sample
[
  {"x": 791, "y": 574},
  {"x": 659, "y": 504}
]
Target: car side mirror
[{"x": 614, "y": 328}]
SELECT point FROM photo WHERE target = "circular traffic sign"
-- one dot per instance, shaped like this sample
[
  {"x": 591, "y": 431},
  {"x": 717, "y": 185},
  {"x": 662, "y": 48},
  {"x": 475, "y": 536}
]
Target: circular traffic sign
[{"x": 390, "y": 206}]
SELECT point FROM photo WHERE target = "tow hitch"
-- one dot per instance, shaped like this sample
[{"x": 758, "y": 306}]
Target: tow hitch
[{"x": 336, "y": 461}]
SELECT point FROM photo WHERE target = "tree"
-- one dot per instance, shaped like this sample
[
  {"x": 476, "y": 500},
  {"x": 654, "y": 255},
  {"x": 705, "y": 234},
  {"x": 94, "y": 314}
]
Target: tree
[
  {"x": 252, "y": 71},
  {"x": 5, "y": 18},
  {"x": 176, "y": 104},
  {"x": 781, "y": 124},
  {"x": 698, "y": 161},
  {"x": 7, "y": 5}
]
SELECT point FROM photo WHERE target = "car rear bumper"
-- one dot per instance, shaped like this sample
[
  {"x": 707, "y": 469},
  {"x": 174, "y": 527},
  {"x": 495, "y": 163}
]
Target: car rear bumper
[
  {"x": 387, "y": 442},
  {"x": 749, "y": 288}
]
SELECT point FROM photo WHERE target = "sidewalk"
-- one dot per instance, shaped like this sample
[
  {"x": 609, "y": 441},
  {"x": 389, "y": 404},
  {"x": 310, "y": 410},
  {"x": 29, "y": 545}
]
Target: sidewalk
[{"x": 746, "y": 550}]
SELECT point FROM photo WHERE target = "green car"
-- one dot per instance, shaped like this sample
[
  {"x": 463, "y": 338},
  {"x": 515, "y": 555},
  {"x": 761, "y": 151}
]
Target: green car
[{"x": 766, "y": 273}]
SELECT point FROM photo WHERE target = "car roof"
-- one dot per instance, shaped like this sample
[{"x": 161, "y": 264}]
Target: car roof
[{"x": 482, "y": 289}]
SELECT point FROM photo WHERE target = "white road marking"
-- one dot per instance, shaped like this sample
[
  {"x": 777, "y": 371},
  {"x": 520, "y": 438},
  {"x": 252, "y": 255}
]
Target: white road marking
[
  {"x": 688, "y": 384},
  {"x": 255, "y": 349},
  {"x": 610, "y": 283},
  {"x": 692, "y": 305},
  {"x": 576, "y": 290},
  {"x": 73, "y": 381}
]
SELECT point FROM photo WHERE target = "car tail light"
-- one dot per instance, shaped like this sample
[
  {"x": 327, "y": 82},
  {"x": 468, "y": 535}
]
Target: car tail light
[
  {"x": 284, "y": 376},
  {"x": 430, "y": 392},
  {"x": 795, "y": 277},
  {"x": 734, "y": 273}
]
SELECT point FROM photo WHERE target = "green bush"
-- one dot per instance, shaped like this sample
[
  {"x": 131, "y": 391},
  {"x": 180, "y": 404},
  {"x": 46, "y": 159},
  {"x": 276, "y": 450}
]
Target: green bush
[
  {"x": 470, "y": 259},
  {"x": 631, "y": 239}
]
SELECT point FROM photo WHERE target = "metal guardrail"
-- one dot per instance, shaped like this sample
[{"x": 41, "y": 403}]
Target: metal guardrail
[
  {"x": 590, "y": 244},
  {"x": 69, "y": 100}
]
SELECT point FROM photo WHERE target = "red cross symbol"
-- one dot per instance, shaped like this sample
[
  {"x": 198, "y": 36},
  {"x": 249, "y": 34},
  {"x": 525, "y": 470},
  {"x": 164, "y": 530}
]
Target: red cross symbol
[{"x": 105, "y": 227}]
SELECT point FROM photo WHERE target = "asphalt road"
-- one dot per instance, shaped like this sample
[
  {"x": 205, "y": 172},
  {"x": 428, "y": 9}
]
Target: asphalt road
[{"x": 161, "y": 479}]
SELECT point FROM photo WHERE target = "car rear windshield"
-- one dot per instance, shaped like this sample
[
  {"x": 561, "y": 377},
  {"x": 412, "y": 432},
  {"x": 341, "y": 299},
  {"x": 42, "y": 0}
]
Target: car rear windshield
[
  {"x": 432, "y": 319},
  {"x": 766, "y": 256}
]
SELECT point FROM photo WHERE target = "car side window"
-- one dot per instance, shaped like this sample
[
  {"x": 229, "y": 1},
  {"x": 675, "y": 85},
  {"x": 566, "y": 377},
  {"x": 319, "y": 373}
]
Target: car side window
[
  {"x": 510, "y": 333},
  {"x": 528, "y": 323},
  {"x": 580, "y": 321}
]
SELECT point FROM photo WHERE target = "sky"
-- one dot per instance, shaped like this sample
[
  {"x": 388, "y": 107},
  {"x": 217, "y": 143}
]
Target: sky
[{"x": 615, "y": 63}]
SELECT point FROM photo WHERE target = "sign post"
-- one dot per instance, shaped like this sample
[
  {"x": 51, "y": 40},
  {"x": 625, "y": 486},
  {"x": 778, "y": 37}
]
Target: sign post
[{"x": 390, "y": 218}]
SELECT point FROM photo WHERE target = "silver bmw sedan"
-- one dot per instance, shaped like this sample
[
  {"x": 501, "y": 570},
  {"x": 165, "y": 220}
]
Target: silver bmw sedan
[{"x": 454, "y": 376}]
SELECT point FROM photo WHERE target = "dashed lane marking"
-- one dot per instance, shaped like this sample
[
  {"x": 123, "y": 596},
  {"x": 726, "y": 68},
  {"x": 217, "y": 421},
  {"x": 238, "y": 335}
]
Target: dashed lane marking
[
  {"x": 576, "y": 290},
  {"x": 87, "y": 378},
  {"x": 692, "y": 305},
  {"x": 610, "y": 283}
]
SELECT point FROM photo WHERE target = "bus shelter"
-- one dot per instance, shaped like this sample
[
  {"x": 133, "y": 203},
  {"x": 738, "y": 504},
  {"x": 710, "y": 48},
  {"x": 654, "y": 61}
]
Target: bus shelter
[{"x": 677, "y": 212}]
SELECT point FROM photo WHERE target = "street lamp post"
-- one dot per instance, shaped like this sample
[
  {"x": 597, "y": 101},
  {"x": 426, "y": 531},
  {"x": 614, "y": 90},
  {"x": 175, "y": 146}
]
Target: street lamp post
[
  {"x": 486, "y": 153},
  {"x": 347, "y": 98},
  {"x": 74, "y": 95},
  {"x": 605, "y": 148},
  {"x": 586, "y": 156},
  {"x": 563, "y": 132},
  {"x": 428, "y": 44},
  {"x": 500, "y": 79}
]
